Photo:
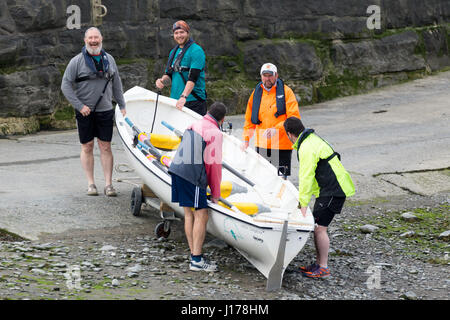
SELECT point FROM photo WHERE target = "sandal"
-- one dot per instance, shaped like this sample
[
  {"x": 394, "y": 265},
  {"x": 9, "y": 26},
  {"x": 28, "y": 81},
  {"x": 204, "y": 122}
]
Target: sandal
[
  {"x": 92, "y": 190},
  {"x": 110, "y": 191}
]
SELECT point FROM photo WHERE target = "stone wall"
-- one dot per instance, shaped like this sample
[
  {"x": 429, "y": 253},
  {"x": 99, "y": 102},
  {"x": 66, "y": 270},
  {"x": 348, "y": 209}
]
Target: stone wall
[{"x": 323, "y": 49}]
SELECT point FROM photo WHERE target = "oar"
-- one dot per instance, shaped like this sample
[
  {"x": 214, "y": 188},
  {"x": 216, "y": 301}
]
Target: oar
[
  {"x": 248, "y": 208},
  {"x": 146, "y": 142},
  {"x": 152, "y": 150},
  {"x": 224, "y": 164},
  {"x": 176, "y": 131},
  {"x": 144, "y": 149},
  {"x": 227, "y": 188},
  {"x": 228, "y": 167}
]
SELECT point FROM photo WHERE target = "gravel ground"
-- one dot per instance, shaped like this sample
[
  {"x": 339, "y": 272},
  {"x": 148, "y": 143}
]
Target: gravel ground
[{"x": 130, "y": 263}]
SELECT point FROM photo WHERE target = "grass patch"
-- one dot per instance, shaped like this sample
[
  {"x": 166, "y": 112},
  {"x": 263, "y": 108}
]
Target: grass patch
[
  {"x": 101, "y": 284},
  {"x": 65, "y": 113},
  {"x": 357, "y": 203},
  {"x": 13, "y": 69},
  {"x": 425, "y": 243},
  {"x": 5, "y": 235}
]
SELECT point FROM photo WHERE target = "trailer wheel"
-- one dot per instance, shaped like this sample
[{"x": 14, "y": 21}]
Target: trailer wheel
[
  {"x": 163, "y": 229},
  {"x": 136, "y": 201}
]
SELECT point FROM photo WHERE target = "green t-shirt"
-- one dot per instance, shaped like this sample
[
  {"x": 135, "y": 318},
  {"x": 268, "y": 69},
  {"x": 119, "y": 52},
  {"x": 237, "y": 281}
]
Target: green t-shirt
[{"x": 194, "y": 58}]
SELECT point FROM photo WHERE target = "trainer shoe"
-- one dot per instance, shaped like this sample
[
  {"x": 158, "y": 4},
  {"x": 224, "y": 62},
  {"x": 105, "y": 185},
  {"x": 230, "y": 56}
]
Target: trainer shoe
[
  {"x": 309, "y": 268},
  {"x": 321, "y": 272},
  {"x": 202, "y": 265}
]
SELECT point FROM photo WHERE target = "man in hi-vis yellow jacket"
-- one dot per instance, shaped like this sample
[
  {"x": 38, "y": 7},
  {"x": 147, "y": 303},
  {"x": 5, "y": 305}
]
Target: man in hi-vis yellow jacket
[{"x": 320, "y": 173}]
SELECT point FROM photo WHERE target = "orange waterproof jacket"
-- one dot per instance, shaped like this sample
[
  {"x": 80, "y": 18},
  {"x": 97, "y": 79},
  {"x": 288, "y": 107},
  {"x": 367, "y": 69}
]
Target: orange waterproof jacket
[{"x": 267, "y": 111}]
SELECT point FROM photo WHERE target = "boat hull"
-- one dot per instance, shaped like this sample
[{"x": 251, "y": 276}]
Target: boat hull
[{"x": 258, "y": 238}]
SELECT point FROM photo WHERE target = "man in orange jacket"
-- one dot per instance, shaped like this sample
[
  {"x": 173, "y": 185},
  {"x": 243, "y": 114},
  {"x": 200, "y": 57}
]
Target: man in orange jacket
[{"x": 269, "y": 105}]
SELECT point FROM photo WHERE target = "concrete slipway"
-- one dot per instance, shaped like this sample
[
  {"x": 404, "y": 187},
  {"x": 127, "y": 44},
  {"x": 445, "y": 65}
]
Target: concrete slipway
[{"x": 394, "y": 141}]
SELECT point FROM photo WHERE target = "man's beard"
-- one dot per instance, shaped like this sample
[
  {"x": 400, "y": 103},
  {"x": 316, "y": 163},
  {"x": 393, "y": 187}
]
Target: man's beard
[
  {"x": 268, "y": 85},
  {"x": 94, "y": 51},
  {"x": 182, "y": 42}
]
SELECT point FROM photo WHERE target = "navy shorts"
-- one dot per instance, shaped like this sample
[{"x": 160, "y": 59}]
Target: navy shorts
[
  {"x": 96, "y": 124},
  {"x": 188, "y": 194},
  {"x": 325, "y": 208}
]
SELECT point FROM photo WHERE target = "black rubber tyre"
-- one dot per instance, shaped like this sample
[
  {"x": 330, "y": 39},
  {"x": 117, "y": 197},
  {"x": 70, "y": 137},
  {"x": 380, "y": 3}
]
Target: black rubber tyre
[
  {"x": 136, "y": 201},
  {"x": 160, "y": 232}
]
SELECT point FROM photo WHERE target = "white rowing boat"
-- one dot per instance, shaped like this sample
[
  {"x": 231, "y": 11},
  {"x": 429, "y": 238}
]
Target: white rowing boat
[{"x": 268, "y": 237}]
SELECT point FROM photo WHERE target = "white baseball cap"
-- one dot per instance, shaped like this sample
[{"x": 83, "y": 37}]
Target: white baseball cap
[{"x": 268, "y": 67}]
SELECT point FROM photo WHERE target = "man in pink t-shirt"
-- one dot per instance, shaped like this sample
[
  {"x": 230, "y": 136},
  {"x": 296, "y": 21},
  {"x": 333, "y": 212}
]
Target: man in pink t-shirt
[{"x": 197, "y": 164}]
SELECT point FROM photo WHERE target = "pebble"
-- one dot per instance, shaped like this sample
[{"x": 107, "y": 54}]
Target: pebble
[
  {"x": 445, "y": 235},
  {"x": 413, "y": 271},
  {"x": 87, "y": 264},
  {"x": 368, "y": 228},
  {"x": 45, "y": 246},
  {"x": 135, "y": 269},
  {"x": 38, "y": 271},
  {"x": 407, "y": 234},
  {"x": 409, "y": 216},
  {"x": 383, "y": 264},
  {"x": 409, "y": 295},
  {"x": 132, "y": 275},
  {"x": 108, "y": 248}
]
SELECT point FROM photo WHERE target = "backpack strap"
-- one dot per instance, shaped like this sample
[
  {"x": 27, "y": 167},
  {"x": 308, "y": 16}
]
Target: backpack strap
[
  {"x": 332, "y": 156},
  {"x": 192, "y": 92},
  {"x": 176, "y": 65},
  {"x": 105, "y": 74},
  {"x": 281, "y": 99}
]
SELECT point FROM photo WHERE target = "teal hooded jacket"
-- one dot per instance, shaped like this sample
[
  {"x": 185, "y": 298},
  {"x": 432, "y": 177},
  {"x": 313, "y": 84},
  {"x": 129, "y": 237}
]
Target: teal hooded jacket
[{"x": 320, "y": 171}]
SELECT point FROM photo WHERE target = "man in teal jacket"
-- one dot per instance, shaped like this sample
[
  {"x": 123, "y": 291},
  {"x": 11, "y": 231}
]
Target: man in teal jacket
[
  {"x": 185, "y": 71},
  {"x": 320, "y": 173}
]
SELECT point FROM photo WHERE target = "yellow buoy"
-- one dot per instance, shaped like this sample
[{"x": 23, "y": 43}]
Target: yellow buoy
[
  {"x": 161, "y": 141},
  {"x": 164, "y": 141}
]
